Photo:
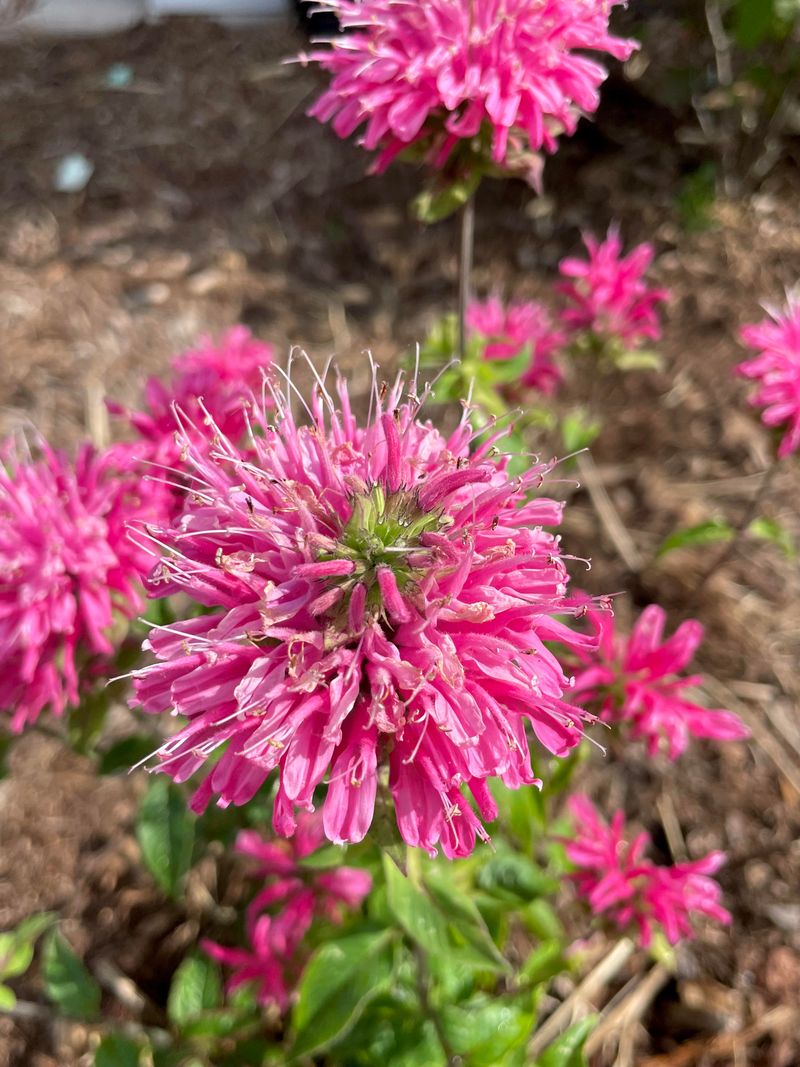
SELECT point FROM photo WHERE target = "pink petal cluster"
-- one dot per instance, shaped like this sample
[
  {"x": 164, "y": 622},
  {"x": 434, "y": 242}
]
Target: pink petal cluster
[
  {"x": 620, "y": 884},
  {"x": 776, "y": 369},
  {"x": 509, "y": 330},
  {"x": 638, "y": 682},
  {"x": 217, "y": 379},
  {"x": 436, "y": 74},
  {"x": 69, "y": 573},
  {"x": 608, "y": 295},
  {"x": 281, "y": 913},
  {"x": 379, "y": 601}
]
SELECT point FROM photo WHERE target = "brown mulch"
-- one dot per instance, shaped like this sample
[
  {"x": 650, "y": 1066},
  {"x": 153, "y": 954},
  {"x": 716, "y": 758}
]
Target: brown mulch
[{"x": 214, "y": 200}]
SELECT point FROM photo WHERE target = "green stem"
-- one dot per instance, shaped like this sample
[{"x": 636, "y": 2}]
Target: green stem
[{"x": 465, "y": 260}]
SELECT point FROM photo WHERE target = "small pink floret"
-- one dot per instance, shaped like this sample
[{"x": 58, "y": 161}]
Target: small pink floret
[
  {"x": 638, "y": 681},
  {"x": 776, "y": 371},
  {"x": 438, "y": 73},
  {"x": 608, "y": 295},
  {"x": 279, "y": 916},
  {"x": 508, "y": 330},
  {"x": 619, "y": 884}
]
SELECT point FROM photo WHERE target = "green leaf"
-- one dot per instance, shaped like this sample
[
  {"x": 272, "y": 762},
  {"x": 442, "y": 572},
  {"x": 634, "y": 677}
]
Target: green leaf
[
  {"x": 415, "y": 912},
  {"x": 125, "y": 754},
  {"x": 486, "y": 1028},
  {"x": 544, "y": 963},
  {"x": 541, "y": 919},
  {"x": 515, "y": 878},
  {"x": 579, "y": 430},
  {"x": 116, "y": 1050},
  {"x": 66, "y": 981},
  {"x": 337, "y": 984},
  {"x": 195, "y": 988},
  {"x": 462, "y": 913},
  {"x": 165, "y": 831},
  {"x": 754, "y": 22},
  {"x": 8, "y": 998},
  {"x": 705, "y": 533},
  {"x": 437, "y": 202},
  {"x": 567, "y": 1050},
  {"x": 639, "y": 359},
  {"x": 16, "y": 946},
  {"x": 770, "y": 530},
  {"x": 86, "y": 722}
]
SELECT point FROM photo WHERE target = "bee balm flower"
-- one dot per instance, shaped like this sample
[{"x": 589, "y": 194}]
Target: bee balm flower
[
  {"x": 639, "y": 682},
  {"x": 608, "y": 295},
  {"x": 776, "y": 369},
  {"x": 512, "y": 74},
  {"x": 616, "y": 881},
  {"x": 379, "y": 601},
  {"x": 69, "y": 573},
  {"x": 509, "y": 331}
]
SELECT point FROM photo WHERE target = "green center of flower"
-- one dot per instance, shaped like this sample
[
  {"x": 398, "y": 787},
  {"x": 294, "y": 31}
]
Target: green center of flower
[{"x": 383, "y": 533}]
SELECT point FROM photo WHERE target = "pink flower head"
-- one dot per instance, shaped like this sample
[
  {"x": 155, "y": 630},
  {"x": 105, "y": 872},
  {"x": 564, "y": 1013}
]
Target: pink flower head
[
  {"x": 619, "y": 883},
  {"x": 436, "y": 74},
  {"x": 379, "y": 600},
  {"x": 508, "y": 331},
  {"x": 638, "y": 681},
  {"x": 69, "y": 573},
  {"x": 609, "y": 296},
  {"x": 214, "y": 379},
  {"x": 280, "y": 915},
  {"x": 777, "y": 371}
]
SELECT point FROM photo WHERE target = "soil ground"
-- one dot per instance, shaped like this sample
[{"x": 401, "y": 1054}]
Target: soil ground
[{"x": 215, "y": 200}]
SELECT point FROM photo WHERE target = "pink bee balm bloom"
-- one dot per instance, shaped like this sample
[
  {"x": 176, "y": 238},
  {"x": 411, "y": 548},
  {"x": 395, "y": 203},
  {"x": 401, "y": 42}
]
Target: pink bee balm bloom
[
  {"x": 638, "y": 681},
  {"x": 280, "y": 915},
  {"x": 217, "y": 379},
  {"x": 508, "y": 331},
  {"x": 776, "y": 369},
  {"x": 69, "y": 573},
  {"x": 608, "y": 294},
  {"x": 444, "y": 72},
  {"x": 379, "y": 601},
  {"x": 617, "y": 882}
]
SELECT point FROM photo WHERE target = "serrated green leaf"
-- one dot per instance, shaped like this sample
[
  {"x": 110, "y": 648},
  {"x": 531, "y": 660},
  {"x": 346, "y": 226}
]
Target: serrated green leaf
[
  {"x": 66, "y": 980},
  {"x": 437, "y": 202},
  {"x": 8, "y": 998},
  {"x": 116, "y": 1050},
  {"x": 415, "y": 912},
  {"x": 337, "y": 984},
  {"x": 514, "y": 877},
  {"x": 461, "y": 912},
  {"x": 486, "y": 1028},
  {"x": 771, "y": 530},
  {"x": 165, "y": 831},
  {"x": 544, "y": 963},
  {"x": 125, "y": 754},
  {"x": 195, "y": 988},
  {"x": 567, "y": 1050},
  {"x": 705, "y": 533}
]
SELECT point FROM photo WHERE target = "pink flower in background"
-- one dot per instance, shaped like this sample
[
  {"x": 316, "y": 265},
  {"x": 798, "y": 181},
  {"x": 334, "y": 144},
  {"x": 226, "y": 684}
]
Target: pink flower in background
[
  {"x": 70, "y": 577},
  {"x": 618, "y": 883},
  {"x": 223, "y": 376},
  {"x": 776, "y": 369},
  {"x": 280, "y": 915},
  {"x": 638, "y": 681},
  {"x": 378, "y": 597},
  {"x": 608, "y": 295},
  {"x": 509, "y": 330},
  {"x": 448, "y": 71}
]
